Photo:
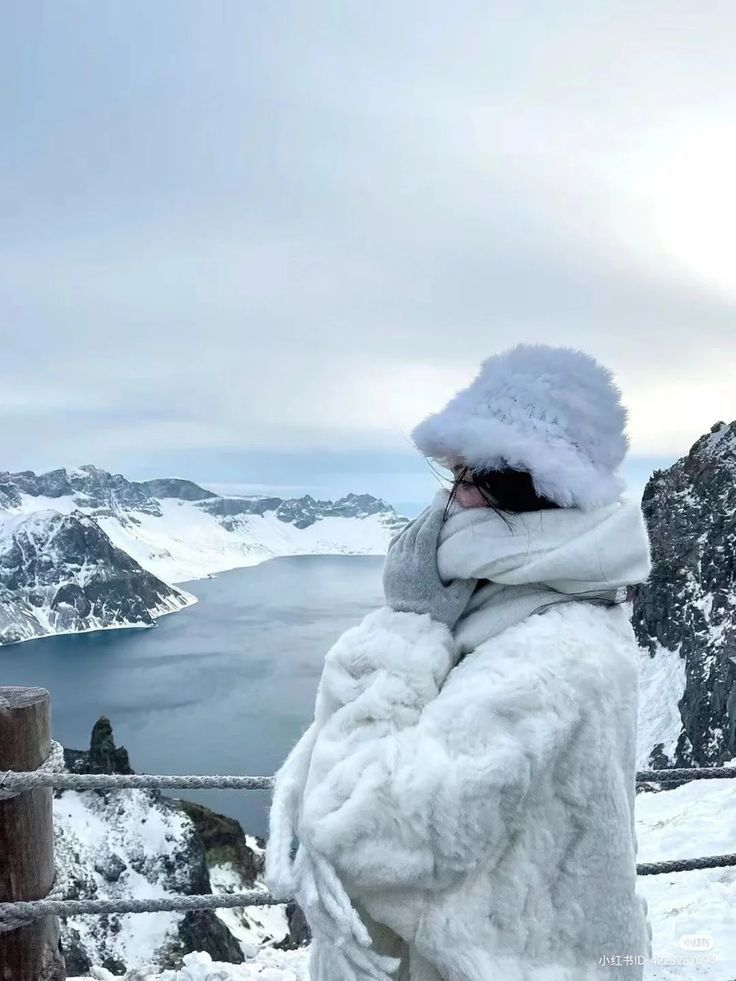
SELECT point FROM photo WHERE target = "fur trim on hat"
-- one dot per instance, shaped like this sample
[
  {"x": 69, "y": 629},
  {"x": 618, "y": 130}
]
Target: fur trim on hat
[{"x": 553, "y": 411}]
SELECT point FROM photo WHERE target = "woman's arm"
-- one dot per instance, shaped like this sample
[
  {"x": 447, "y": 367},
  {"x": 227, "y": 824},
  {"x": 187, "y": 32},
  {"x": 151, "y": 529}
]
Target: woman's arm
[
  {"x": 376, "y": 678},
  {"x": 412, "y": 784}
]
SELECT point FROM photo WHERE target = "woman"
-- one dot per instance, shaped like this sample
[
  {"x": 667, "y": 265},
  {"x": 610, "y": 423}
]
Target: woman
[{"x": 464, "y": 798}]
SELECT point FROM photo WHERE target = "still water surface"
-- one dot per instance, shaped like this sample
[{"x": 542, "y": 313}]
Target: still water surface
[{"x": 225, "y": 686}]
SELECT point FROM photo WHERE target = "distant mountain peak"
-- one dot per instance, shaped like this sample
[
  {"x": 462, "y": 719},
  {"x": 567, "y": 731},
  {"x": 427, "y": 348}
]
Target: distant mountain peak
[{"x": 719, "y": 443}]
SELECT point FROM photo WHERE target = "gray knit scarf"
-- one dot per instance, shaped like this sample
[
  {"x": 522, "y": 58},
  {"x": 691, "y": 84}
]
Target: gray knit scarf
[{"x": 538, "y": 560}]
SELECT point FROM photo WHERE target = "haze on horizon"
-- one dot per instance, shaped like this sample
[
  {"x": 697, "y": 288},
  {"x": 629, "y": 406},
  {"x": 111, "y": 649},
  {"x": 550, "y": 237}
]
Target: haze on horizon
[{"x": 252, "y": 245}]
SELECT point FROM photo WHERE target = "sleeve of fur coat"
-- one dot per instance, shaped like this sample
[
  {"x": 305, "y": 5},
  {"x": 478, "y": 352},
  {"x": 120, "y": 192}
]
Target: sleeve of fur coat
[
  {"x": 410, "y": 783},
  {"x": 376, "y": 680}
]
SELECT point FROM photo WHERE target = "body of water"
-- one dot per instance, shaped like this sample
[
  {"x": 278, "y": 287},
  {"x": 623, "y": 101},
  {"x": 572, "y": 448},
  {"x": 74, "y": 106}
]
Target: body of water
[{"x": 225, "y": 686}]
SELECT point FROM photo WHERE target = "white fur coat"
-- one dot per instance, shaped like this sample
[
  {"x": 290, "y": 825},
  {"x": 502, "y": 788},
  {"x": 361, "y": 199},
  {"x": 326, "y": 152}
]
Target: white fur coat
[{"x": 468, "y": 821}]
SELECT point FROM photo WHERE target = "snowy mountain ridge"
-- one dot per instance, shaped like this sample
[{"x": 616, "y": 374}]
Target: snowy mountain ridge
[{"x": 84, "y": 549}]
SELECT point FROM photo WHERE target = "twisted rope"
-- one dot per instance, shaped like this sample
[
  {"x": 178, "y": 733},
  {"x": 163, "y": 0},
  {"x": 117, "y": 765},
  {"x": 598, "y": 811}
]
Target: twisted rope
[
  {"x": 13, "y": 915},
  {"x": 686, "y": 773},
  {"x": 13, "y": 783},
  {"x": 50, "y": 774},
  {"x": 686, "y": 865},
  {"x": 50, "y": 768}
]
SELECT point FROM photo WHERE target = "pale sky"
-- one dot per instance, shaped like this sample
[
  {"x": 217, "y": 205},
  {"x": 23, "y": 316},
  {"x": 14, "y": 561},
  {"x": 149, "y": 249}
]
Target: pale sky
[{"x": 253, "y": 244}]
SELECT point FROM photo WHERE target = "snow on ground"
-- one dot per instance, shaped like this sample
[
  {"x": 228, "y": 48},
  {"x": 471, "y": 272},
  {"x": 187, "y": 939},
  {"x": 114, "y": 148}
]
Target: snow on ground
[
  {"x": 273, "y": 965},
  {"x": 696, "y": 819},
  {"x": 122, "y": 845},
  {"x": 252, "y": 925},
  {"x": 693, "y": 820},
  {"x": 187, "y": 543}
]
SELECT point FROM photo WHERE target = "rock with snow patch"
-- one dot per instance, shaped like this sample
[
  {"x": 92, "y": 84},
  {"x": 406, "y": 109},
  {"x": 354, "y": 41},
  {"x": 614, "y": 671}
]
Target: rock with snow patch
[
  {"x": 685, "y": 616},
  {"x": 137, "y": 843},
  {"x": 61, "y": 573}
]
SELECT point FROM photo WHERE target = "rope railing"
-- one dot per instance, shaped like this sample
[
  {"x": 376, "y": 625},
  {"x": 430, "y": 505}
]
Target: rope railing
[
  {"x": 51, "y": 775},
  {"x": 16, "y": 783},
  {"x": 20, "y": 913},
  {"x": 671, "y": 774},
  {"x": 13, "y": 915}
]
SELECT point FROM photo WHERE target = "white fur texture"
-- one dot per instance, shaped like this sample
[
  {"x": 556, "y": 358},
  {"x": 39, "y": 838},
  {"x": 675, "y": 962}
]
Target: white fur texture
[
  {"x": 553, "y": 411},
  {"x": 481, "y": 816}
]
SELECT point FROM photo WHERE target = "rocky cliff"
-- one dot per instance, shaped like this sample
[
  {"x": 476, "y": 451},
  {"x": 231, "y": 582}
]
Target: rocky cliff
[
  {"x": 141, "y": 843},
  {"x": 685, "y": 616},
  {"x": 61, "y": 573}
]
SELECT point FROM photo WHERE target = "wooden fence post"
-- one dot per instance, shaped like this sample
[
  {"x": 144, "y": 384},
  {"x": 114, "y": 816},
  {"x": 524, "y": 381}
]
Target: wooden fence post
[{"x": 30, "y": 953}]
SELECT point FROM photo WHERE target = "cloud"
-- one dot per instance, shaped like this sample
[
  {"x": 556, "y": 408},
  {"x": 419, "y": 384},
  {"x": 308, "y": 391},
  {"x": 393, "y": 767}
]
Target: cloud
[{"x": 299, "y": 228}]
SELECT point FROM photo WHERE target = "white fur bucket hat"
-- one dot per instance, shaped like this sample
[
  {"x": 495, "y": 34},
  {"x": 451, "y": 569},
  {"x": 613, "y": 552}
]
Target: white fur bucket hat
[{"x": 553, "y": 411}]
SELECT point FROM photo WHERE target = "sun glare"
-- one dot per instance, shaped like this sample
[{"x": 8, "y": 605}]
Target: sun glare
[{"x": 695, "y": 206}]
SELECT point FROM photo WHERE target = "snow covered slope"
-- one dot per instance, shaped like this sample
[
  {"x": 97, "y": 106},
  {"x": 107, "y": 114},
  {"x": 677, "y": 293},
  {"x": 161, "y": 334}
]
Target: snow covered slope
[
  {"x": 179, "y": 531},
  {"x": 137, "y": 843}
]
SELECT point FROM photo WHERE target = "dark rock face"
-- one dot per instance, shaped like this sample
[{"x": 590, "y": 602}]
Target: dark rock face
[
  {"x": 305, "y": 511},
  {"x": 9, "y": 494},
  {"x": 299, "y": 933},
  {"x": 202, "y": 930},
  {"x": 103, "y": 756},
  {"x": 689, "y": 602},
  {"x": 174, "y": 487},
  {"x": 109, "y": 493},
  {"x": 101, "y": 491},
  {"x": 110, "y": 866},
  {"x": 230, "y": 507},
  {"x": 55, "y": 483},
  {"x": 76, "y": 961},
  {"x": 62, "y": 571},
  {"x": 223, "y": 840}
]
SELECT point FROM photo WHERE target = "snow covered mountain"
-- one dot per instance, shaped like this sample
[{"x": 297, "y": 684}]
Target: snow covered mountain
[
  {"x": 85, "y": 549},
  {"x": 60, "y": 573},
  {"x": 685, "y": 616}
]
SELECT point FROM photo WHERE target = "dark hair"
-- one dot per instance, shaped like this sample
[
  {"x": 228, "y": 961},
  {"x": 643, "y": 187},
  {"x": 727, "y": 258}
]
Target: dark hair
[{"x": 506, "y": 490}]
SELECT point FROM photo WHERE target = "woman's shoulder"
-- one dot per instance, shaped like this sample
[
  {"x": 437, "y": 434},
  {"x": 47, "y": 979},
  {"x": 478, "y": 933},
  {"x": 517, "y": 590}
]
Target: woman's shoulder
[
  {"x": 576, "y": 643},
  {"x": 574, "y": 622}
]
